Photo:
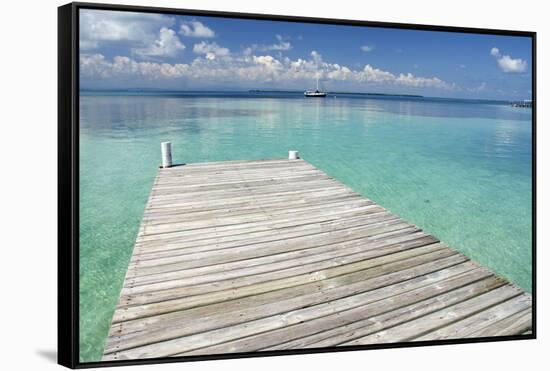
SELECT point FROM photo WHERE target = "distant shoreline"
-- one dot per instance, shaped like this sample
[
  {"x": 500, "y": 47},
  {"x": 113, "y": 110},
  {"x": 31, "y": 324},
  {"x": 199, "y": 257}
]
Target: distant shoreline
[
  {"x": 152, "y": 90},
  {"x": 340, "y": 93},
  {"x": 260, "y": 93},
  {"x": 168, "y": 91}
]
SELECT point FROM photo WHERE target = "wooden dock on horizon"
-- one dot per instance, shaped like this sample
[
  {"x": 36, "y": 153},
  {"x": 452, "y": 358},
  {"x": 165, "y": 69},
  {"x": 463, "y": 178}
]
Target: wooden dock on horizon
[{"x": 244, "y": 256}]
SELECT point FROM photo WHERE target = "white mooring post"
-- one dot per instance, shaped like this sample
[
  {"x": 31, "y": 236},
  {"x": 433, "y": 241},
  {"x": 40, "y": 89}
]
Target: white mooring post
[
  {"x": 293, "y": 155},
  {"x": 166, "y": 149}
]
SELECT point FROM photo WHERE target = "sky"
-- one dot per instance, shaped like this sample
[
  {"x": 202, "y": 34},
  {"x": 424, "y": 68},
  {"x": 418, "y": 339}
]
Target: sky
[{"x": 122, "y": 50}]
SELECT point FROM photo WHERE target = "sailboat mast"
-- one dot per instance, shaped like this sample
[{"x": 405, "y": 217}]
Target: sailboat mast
[{"x": 316, "y": 93}]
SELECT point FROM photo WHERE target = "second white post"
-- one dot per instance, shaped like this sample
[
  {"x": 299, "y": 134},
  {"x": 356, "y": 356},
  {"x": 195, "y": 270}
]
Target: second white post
[
  {"x": 293, "y": 155},
  {"x": 166, "y": 149}
]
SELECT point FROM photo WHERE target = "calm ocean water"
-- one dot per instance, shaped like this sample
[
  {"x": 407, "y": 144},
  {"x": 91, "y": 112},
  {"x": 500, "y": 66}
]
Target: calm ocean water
[{"x": 458, "y": 169}]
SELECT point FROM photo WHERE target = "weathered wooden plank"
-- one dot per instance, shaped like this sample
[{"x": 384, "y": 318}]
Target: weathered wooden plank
[
  {"x": 344, "y": 322},
  {"x": 269, "y": 200},
  {"x": 228, "y": 220},
  {"x": 288, "y": 258},
  {"x": 185, "y": 200},
  {"x": 155, "y": 222},
  {"x": 186, "y": 244},
  {"x": 188, "y": 287},
  {"x": 200, "y": 203},
  {"x": 219, "y": 184},
  {"x": 305, "y": 241},
  {"x": 329, "y": 301},
  {"x": 235, "y": 181},
  {"x": 270, "y": 262},
  {"x": 309, "y": 179},
  {"x": 426, "y": 324},
  {"x": 181, "y": 202},
  {"x": 274, "y": 170},
  {"x": 276, "y": 223},
  {"x": 203, "y": 167},
  {"x": 200, "y": 259},
  {"x": 513, "y": 325},
  {"x": 191, "y": 169},
  {"x": 412, "y": 270},
  {"x": 395, "y": 315},
  {"x": 228, "y": 166},
  {"x": 263, "y": 255},
  {"x": 130, "y": 310},
  {"x": 166, "y": 195},
  {"x": 481, "y": 320}
]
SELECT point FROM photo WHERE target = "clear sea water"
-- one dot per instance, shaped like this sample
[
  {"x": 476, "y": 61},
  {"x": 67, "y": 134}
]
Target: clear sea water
[{"x": 458, "y": 169}]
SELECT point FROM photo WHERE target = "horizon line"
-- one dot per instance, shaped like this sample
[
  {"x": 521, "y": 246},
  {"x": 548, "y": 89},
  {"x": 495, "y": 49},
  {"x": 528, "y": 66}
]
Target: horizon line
[{"x": 245, "y": 90}]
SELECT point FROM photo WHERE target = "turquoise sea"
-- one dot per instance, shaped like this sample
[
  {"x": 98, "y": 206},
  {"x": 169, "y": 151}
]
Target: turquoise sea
[{"x": 459, "y": 169}]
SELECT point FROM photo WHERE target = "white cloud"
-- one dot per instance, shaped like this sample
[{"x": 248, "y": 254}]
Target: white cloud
[
  {"x": 282, "y": 45},
  {"x": 367, "y": 48},
  {"x": 433, "y": 82},
  {"x": 269, "y": 68},
  {"x": 507, "y": 63},
  {"x": 479, "y": 88},
  {"x": 88, "y": 44},
  {"x": 167, "y": 45},
  {"x": 97, "y": 66},
  {"x": 100, "y": 26},
  {"x": 252, "y": 68},
  {"x": 317, "y": 58},
  {"x": 372, "y": 74},
  {"x": 210, "y": 50},
  {"x": 196, "y": 29}
]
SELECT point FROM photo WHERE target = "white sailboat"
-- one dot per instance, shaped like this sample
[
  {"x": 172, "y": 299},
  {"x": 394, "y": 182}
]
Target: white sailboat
[{"x": 315, "y": 94}]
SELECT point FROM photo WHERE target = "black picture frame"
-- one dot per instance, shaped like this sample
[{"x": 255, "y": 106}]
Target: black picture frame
[{"x": 68, "y": 180}]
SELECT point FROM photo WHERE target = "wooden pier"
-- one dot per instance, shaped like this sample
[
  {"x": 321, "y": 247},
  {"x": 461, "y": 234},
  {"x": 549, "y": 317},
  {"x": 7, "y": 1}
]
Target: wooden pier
[{"x": 243, "y": 256}]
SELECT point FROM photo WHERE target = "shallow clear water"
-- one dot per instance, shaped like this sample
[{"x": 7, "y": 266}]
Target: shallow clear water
[{"x": 461, "y": 171}]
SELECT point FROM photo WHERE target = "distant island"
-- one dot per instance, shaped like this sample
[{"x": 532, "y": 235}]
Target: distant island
[
  {"x": 243, "y": 92},
  {"x": 339, "y": 93}
]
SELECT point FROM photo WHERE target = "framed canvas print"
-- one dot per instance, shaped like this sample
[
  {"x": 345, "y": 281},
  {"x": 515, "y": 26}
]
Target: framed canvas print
[{"x": 241, "y": 185}]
